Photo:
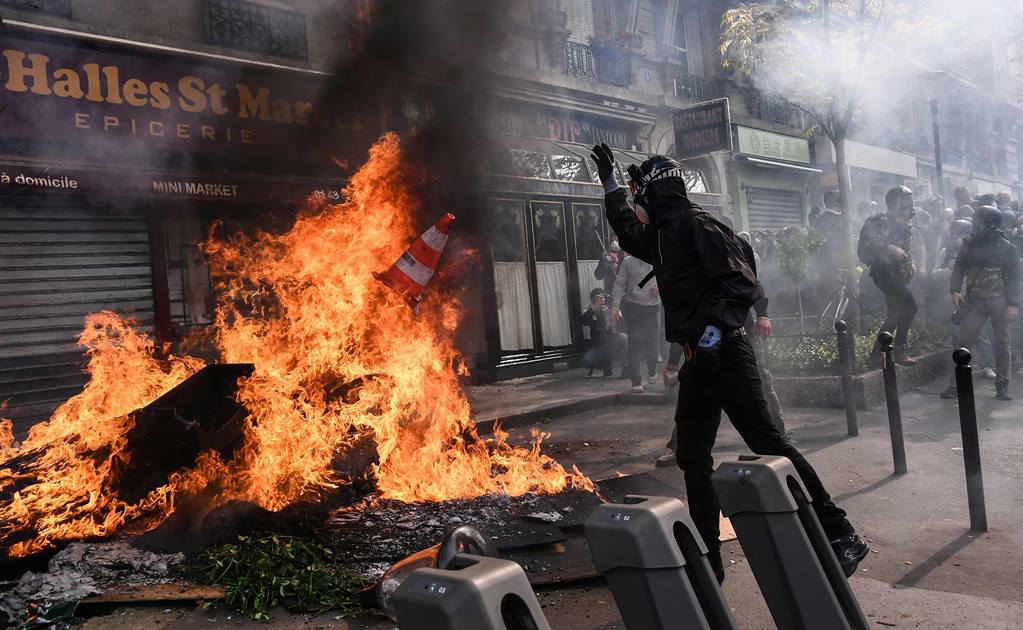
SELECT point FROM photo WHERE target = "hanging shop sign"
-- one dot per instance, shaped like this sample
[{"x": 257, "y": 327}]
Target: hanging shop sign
[
  {"x": 120, "y": 102},
  {"x": 565, "y": 126},
  {"x": 776, "y": 146},
  {"x": 702, "y": 129}
]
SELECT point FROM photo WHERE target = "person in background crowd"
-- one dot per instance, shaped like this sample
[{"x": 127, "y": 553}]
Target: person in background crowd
[
  {"x": 1003, "y": 201},
  {"x": 607, "y": 267},
  {"x": 963, "y": 197},
  {"x": 640, "y": 306},
  {"x": 988, "y": 265},
  {"x": 965, "y": 211},
  {"x": 597, "y": 318},
  {"x": 885, "y": 246},
  {"x": 709, "y": 283}
]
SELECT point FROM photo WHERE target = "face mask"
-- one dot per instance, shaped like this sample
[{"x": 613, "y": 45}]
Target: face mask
[{"x": 615, "y": 247}]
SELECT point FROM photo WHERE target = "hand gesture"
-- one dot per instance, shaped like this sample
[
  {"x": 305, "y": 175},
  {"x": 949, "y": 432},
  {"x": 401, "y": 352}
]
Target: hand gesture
[
  {"x": 764, "y": 327},
  {"x": 605, "y": 162}
]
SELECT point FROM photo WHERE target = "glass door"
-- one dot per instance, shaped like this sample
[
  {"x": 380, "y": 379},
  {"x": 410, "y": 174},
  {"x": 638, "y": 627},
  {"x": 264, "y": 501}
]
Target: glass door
[
  {"x": 511, "y": 275},
  {"x": 548, "y": 220}
]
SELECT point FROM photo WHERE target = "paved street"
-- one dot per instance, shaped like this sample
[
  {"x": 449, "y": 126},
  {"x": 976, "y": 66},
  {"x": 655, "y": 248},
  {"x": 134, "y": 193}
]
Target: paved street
[{"x": 926, "y": 570}]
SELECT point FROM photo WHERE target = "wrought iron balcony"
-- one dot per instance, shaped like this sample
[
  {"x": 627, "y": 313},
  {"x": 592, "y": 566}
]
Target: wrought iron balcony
[
  {"x": 53, "y": 7},
  {"x": 775, "y": 110},
  {"x": 696, "y": 88},
  {"x": 607, "y": 64},
  {"x": 256, "y": 28}
]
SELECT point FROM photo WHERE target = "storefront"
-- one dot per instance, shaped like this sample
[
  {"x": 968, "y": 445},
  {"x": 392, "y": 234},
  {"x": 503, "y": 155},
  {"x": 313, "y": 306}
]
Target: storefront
[
  {"x": 113, "y": 162},
  {"x": 770, "y": 178},
  {"x": 872, "y": 170}
]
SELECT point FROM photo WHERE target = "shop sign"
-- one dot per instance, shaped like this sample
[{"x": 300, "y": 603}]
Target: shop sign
[
  {"x": 702, "y": 129},
  {"x": 24, "y": 180},
  {"x": 120, "y": 102},
  {"x": 565, "y": 126},
  {"x": 776, "y": 146}
]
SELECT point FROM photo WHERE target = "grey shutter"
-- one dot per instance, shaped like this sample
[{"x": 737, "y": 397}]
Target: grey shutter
[
  {"x": 773, "y": 209},
  {"x": 57, "y": 265}
]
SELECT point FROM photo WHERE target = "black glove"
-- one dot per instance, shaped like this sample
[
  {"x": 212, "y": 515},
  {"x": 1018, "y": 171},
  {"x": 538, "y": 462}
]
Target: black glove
[{"x": 605, "y": 162}]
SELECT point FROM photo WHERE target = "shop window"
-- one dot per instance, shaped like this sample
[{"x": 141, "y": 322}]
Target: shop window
[
  {"x": 569, "y": 168},
  {"x": 551, "y": 272},
  {"x": 531, "y": 164},
  {"x": 590, "y": 241},
  {"x": 511, "y": 275}
]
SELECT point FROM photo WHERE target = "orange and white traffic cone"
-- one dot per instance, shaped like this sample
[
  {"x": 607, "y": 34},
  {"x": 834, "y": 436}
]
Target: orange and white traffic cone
[{"x": 411, "y": 273}]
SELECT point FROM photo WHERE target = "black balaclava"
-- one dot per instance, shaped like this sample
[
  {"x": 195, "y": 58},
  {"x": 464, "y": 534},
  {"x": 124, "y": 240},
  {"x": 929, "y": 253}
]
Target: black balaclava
[{"x": 660, "y": 187}]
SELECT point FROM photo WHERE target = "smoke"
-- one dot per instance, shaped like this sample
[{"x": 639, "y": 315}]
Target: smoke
[
  {"x": 878, "y": 60},
  {"x": 423, "y": 64}
]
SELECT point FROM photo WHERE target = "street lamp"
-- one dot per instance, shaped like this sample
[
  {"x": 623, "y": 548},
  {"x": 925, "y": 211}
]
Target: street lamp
[{"x": 933, "y": 80}]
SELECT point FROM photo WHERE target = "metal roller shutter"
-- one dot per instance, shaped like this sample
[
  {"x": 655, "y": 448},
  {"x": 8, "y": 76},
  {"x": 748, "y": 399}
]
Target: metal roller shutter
[
  {"x": 771, "y": 209},
  {"x": 56, "y": 266}
]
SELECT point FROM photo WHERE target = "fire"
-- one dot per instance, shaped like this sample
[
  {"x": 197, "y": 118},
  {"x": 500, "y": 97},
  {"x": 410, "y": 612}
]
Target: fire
[{"x": 337, "y": 357}]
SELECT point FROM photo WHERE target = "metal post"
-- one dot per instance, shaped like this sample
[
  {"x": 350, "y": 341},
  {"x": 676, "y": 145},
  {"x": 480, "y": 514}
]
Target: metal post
[
  {"x": 937, "y": 150},
  {"x": 846, "y": 361},
  {"x": 891, "y": 396},
  {"x": 971, "y": 442}
]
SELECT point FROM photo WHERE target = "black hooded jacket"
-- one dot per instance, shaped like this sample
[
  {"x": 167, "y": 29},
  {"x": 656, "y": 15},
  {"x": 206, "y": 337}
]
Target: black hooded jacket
[{"x": 705, "y": 273}]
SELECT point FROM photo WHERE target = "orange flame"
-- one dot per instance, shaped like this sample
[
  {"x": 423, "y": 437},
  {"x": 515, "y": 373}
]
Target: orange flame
[{"x": 337, "y": 358}]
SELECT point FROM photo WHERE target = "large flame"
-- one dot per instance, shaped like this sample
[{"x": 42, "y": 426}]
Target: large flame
[{"x": 338, "y": 358}]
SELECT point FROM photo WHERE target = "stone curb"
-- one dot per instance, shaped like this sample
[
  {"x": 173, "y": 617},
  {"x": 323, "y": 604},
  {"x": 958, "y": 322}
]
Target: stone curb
[{"x": 485, "y": 424}]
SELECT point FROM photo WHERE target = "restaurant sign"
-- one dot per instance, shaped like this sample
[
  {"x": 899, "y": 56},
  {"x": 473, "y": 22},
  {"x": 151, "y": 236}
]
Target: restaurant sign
[
  {"x": 702, "y": 129},
  {"x": 122, "y": 102},
  {"x": 565, "y": 126},
  {"x": 766, "y": 144}
]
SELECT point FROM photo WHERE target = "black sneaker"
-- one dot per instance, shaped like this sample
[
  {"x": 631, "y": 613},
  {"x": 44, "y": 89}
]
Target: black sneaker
[
  {"x": 1002, "y": 391},
  {"x": 950, "y": 392},
  {"x": 714, "y": 558},
  {"x": 850, "y": 550}
]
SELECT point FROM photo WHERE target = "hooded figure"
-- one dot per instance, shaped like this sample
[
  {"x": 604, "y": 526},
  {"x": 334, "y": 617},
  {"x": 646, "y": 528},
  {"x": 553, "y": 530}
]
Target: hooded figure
[
  {"x": 708, "y": 283},
  {"x": 988, "y": 266}
]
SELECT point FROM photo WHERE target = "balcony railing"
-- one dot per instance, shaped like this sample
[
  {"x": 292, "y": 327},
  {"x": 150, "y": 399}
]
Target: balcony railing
[
  {"x": 53, "y": 7},
  {"x": 607, "y": 64},
  {"x": 775, "y": 110},
  {"x": 256, "y": 28},
  {"x": 696, "y": 88}
]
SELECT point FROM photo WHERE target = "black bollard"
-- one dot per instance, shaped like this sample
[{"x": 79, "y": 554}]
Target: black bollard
[
  {"x": 846, "y": 362},
  {"x": 971, "y": 441},
  {"x": 891, "y": 396}
]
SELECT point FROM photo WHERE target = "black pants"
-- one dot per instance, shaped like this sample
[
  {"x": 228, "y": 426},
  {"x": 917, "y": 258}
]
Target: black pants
[
  {"x": 642, "y": 324},
  {"x": 899, "y": 302},
  {"x": 735, "y": 387}
]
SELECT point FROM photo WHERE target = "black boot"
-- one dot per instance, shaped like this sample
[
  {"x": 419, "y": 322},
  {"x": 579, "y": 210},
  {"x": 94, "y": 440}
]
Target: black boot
[
  {"x": 714, "y": 558},
  {"x": 1002, "y": 391},
  {"x": 850, "y": 550}
]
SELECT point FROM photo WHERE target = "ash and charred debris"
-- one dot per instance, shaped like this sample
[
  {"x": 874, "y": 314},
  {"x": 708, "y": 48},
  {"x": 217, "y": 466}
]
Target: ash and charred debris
[
  {"x": 369, "y": 538},
  {"x": 81, "y": 570}
]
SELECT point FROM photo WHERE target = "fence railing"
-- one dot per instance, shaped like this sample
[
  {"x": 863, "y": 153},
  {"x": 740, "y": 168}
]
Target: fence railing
[{"x": 607, "y": 64}]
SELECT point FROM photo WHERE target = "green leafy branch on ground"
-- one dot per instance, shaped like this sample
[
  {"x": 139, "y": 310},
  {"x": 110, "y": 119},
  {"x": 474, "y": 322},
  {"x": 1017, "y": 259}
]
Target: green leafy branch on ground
[
  {"x": 813, "y": 355},
  {"x": 261, "y": 573}
]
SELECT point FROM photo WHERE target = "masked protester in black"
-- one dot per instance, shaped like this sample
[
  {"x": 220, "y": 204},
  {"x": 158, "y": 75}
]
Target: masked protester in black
[
  {"x": 884, "y": 245},
  {"x": 708, "y": 283}
]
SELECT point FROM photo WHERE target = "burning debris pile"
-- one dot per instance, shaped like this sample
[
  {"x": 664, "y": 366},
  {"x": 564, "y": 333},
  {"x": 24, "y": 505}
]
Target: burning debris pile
[{"x": 336, "y": 361}]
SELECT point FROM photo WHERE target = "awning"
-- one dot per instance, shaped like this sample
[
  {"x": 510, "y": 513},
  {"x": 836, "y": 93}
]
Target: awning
[
  {"x": 774, "y": 164},
  {"x": 869, "y": 157}
]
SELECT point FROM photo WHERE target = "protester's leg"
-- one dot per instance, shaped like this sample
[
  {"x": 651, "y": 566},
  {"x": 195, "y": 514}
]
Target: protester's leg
[
  {"x": 770, "y": 393},
  {"x": 635, "y": 342},
  {"x": 649, "y": 334},
  {"x": 743, "y": 400},
  {"x": 1002, "y": 347},
  {"x": 984, "y": 355},
  {"x": 697, "y": 417}
]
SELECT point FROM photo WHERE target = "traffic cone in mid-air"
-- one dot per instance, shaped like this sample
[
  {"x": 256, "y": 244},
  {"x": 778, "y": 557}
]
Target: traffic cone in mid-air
[{"x": 411, "y": 273}]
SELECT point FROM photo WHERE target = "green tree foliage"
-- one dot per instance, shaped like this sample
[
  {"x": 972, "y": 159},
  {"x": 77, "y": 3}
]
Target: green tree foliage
[{"x": 796, "y": 249}]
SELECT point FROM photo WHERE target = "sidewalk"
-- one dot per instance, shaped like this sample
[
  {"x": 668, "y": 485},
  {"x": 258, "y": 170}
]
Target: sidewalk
[{"x": 526, "y": 400}]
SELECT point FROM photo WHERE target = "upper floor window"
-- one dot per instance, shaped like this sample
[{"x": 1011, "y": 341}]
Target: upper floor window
[
  {"x": 678, "y": 38},
  {"x": 256, "y": 28},
  {"x": 54, "y": 7}
]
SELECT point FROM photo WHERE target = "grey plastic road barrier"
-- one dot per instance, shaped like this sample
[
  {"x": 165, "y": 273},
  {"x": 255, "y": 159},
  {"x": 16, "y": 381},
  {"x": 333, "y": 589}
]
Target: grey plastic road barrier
[
  {"x": 846, "y": 361},
  {"x": 474, "y": 593},
  {"x": 891, "y": 399},
  {"x": 971, "y": 441},
  {"x": 787, "y": 549},
  {"x": 656, "y": 565}
]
